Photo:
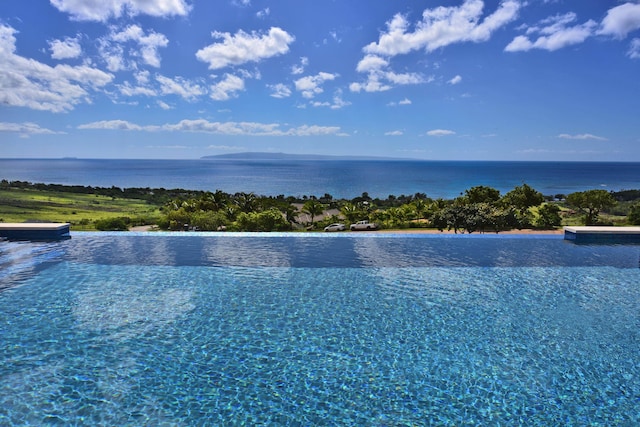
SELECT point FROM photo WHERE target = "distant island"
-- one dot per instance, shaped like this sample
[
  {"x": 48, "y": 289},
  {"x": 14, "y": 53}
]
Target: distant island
[{"x": 285, "y": 156}]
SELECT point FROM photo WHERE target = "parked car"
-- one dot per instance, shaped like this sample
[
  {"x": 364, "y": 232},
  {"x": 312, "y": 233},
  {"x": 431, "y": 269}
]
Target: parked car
[
  {"x": 335, "y": 227},
  {"x": 363, "y": 225}
]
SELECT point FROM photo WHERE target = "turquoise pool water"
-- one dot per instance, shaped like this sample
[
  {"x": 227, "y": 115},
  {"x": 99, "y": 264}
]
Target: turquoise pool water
[{"x": 198, "y": 329}]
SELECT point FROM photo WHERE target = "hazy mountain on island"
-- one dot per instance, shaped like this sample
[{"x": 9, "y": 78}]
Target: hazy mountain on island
[{"x": 285, "y": 156}]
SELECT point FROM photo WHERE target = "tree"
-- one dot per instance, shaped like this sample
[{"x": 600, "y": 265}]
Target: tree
[
  {"x": 351, "y": 212},
  {"x": 420, "y": 206},
  {"x": 634, "y": 214},
  {"x": 313, "y": 208},
  {"x": 548, "y": 216},
  {"x": 481, "y": 194},
  {"x": 522, "y": 198},
  {"x": 591, "y": 203}
]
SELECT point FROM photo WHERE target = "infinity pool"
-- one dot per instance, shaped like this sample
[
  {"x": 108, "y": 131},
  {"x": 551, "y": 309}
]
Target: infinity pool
[{"x": 228, "y": 329}]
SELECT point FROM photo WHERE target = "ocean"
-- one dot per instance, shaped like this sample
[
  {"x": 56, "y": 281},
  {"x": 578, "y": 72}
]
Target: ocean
[{"x": 340, "y": 178}]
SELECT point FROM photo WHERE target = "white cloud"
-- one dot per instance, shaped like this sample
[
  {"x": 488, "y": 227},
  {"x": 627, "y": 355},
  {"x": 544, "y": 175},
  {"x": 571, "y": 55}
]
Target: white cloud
[
  {"x": 100, "y": 10},
  {"x": 405, "y": 101},
  {"x": 455, "y": 80},
  {"x": 280, "y": 90},
  {"x": 443, "y": 26},
  {"x": 394, "y": 133},
  {"x": 372, "y": 84},
  {"x": 25, "y": 129},
  {"x": 263, "y": 13},
  {"x": 621, "y": 20},
  {"x": 28, "y": 83},
  {"x": 65, "y": 49},
  {"x": 337, "y": 103},
  {"x": 127, "y": 89},
  {"x": 227, "y": 88},
  {"x": 223, "y": 128},
  {"x": 634, "y": 49},
  {"x": 554, "y": 34},
  {"x": 148, "y": 46},
  {"x": 117, "y": 125},
  {"x": 299, "y": 69},
  {"x": 440, "y": 132},
  {"x": 243, "y": 47},
  {"x": 582, "y": 136},
  {"x": 179, "y": 86},
  {"x": 381, "y": 80},
  {"x": 310, "y": 85},
  {"x": 164, "y": 105},
  {"x": 371, "y": 63},
  {"x": 379, "y": 77},
  {"x": 112, "y": 54}
]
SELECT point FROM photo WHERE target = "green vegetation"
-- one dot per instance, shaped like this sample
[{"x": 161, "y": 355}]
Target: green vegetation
[
  {"x": 85, "y": 210},
  {"x": 478, "y": 209}
]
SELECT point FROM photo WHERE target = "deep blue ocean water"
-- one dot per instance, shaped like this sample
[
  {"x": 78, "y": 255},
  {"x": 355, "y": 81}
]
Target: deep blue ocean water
[{"x": 340, "y": 178}]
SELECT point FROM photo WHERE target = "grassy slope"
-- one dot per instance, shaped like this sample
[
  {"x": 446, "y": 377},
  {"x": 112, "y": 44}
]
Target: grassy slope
[{"x": 19, "y": 205}]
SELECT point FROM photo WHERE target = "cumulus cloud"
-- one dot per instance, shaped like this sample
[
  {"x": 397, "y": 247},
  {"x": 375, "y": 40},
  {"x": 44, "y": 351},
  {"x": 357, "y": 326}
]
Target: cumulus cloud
[
  {"x": 65, "y": 49},
  {"x": 223, "y": 128},
  {"x": 380, "y": 80},
  {"x": 621, "y": 20},
  {"x": 242, "y": 47},
  {"x": 440, "y": 132},
  {"x": 337, "y": 103},
  {"x": 162, "y": 85},
  {"x": 149, "y": 43},
  {"x": 263, "y": 13},
  {"x": 582, "y": 136},
  {"x": 280, "y": 90},
  {"x": 227, "y": 88},
  {"x": 114, "y": 48},
  {"x": 25, "y": 129},
  {"x": 299, "y": 68},
  {"x": 394, "y": 133},
  {"x": 443, "y": 26},
  {"x": 310, "y": 86},
  {"x": 455, "y": 80},
  {"x": 102, "y": 11},
  {"x": 553, "y": 34},
  {"x": 634, "y": 49},
  {"x": 179, "y": 86},
  {"x": 438, "y": 28},
  {"x": 28, "y": 83}
]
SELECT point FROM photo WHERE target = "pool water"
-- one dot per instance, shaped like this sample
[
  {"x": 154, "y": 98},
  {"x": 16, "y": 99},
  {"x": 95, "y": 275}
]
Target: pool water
[{"x": 224, "y": 329}]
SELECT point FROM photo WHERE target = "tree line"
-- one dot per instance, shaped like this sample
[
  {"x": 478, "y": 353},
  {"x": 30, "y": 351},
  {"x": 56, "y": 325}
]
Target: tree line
[{"x": 477, "y": 209}]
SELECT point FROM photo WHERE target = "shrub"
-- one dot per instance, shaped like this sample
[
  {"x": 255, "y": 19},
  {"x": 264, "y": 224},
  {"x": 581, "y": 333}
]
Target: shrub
[{"x": 113, "y": 224}]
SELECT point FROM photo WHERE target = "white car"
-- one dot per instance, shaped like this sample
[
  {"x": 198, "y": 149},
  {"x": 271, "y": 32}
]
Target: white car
[
  {"x": 335, "y": 227},
  {"x": 363, "y": 225}
]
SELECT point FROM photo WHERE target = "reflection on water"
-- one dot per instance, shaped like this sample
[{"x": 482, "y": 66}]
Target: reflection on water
[{"x": 121, "y": 310}]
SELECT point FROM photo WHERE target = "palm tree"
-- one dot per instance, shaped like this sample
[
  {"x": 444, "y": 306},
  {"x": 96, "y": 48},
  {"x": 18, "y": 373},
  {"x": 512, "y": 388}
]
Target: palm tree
[
  {"x": 313, "y": 208},
  {"x": 351, "y": 212}
]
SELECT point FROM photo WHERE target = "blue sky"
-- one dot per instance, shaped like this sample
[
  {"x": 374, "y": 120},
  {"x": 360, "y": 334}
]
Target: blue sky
[{"x": 437, "y": 79}]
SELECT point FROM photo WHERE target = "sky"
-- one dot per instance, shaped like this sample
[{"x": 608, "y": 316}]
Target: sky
[{"x": 432, "y": 79}]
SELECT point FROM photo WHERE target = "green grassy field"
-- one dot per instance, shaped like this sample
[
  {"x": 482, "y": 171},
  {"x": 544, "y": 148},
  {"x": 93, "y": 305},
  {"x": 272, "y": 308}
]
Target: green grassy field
[{"x": 81, "y": 210}]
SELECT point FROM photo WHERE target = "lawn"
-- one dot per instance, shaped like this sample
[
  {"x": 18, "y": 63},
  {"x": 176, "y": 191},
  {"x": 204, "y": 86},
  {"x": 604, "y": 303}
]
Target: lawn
[{"x": 81, "y": 210}]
